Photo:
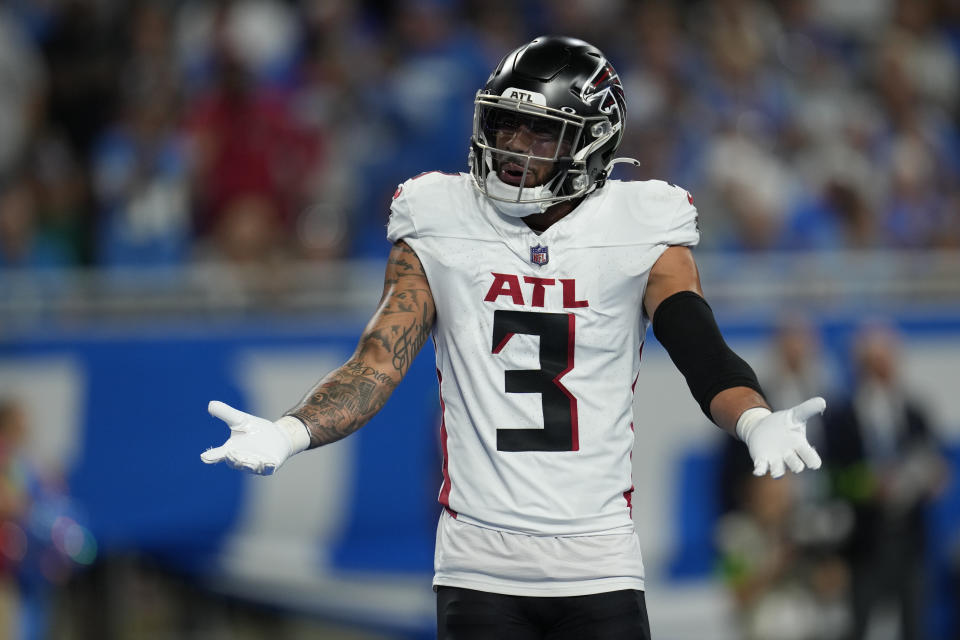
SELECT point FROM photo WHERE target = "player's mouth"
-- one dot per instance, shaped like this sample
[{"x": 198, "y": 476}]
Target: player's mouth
[{"x": 511, "y": 173}]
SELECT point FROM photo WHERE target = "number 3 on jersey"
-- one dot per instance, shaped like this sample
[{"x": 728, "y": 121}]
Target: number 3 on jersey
[{"x": 556, "y": 332}]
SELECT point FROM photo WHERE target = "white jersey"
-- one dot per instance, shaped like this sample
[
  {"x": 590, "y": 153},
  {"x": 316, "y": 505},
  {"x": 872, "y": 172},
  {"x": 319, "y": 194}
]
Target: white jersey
[{"x": 538, "y": 340}]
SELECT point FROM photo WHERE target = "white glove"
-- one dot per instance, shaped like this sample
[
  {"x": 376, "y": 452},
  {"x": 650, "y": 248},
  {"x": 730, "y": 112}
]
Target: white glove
[
  {"x": 256, "y": 444},
  {"x": 780, "y": 438}
]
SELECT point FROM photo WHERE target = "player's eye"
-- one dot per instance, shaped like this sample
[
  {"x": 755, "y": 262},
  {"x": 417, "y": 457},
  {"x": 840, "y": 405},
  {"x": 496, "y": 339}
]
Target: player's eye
[
  {"x": 506, "y": 122},
  {"x": 510, "y": 121},
  {"x": 545, "y": 128}
]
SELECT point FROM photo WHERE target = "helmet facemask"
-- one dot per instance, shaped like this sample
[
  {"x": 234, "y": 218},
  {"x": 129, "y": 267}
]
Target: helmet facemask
[{"x": 515, "y": 140}]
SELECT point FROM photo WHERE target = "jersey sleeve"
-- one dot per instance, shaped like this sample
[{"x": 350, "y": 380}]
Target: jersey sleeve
[
  {"x": 400, "y": 225},
  {"x": 680, "y": 224}
]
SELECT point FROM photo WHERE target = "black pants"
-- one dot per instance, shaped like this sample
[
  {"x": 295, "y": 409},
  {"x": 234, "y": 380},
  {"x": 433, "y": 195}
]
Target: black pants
[{"x": 465, "y": 614}]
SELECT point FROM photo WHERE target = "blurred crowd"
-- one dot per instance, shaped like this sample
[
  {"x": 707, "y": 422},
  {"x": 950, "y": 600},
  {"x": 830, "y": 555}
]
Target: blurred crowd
[
  {"x": 249, "y": 131},
  {"x": 852, "y": 551},
  {"x": 162, "y": 133}
]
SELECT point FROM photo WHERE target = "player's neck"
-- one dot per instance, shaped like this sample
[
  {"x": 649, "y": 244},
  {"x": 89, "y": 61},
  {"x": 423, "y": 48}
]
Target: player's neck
[{"x": 540, "y": 222}]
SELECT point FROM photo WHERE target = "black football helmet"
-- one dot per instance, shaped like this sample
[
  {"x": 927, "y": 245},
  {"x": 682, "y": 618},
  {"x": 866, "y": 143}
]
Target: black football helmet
[{"x": 556, "y": 89}]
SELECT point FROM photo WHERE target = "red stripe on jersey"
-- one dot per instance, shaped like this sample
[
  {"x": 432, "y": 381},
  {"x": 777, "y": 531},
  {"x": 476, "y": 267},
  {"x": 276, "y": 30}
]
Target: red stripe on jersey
[
  {"x": 574, "y": 426},
  {"x": 633, "y": 387},
  {"x": 444, "y": 497},
  {"x": 628, "y": 494},
  {"x": 503, "y": 342}
]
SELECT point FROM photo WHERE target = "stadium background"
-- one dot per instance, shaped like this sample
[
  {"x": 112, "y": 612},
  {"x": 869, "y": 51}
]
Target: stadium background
[{"x": 192, "y": 207}]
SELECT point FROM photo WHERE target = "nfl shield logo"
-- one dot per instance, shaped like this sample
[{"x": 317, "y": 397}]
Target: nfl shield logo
[{"x": 539, "y": 255}]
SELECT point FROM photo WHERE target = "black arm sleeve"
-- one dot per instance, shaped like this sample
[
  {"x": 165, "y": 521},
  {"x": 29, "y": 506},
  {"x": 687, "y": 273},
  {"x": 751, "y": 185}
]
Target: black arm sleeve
[{"x": 685, "y": 326}]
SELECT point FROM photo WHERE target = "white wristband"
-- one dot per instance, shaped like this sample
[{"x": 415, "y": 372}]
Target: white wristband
[
  {"x": 296, "y": 432},
  {"x": 748, "y": 419}
]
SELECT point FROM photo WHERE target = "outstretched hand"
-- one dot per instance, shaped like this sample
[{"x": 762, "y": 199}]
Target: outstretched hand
[
  {"x": 779, "y": 439},
  {"x": 255, "y": 444}
]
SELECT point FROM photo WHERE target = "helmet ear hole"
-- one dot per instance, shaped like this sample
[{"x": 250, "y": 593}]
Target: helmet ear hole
[{"x": 600, "y": 129}]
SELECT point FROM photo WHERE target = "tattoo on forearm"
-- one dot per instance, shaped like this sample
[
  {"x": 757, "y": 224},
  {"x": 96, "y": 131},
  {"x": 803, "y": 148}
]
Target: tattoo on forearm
[
  {"x": 376, "y": 336},
  {"x": 348, "y": 397},
  {"x": 343, "y": 402},
  {"x": 361, "y": 370},
  {"x": 401, "y": 263},
  {"x": 410, "y": 341}
]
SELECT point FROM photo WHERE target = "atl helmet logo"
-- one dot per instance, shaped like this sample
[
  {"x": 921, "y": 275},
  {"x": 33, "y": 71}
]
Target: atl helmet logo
[{"x": 522, "y": 95}]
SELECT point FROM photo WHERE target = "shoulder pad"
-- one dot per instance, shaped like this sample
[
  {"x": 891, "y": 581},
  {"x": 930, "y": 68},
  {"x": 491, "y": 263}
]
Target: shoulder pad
[
  {"x": 663, "y": 212},
  {"x": 433, "y": 204}
]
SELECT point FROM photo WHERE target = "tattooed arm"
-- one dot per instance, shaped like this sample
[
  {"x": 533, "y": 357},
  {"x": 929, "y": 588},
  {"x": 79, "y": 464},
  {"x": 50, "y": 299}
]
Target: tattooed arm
[{"x": 345, "y": 399}]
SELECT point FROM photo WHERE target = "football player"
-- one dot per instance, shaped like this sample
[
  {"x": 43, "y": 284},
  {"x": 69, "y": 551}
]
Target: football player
[{"x": 537, "y": 276}]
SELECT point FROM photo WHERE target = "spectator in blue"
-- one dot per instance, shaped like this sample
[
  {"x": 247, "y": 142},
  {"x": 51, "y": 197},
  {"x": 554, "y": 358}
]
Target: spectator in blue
[
  {"x": 139, "y": 162},
  {"x": 437, "y": 64},
  {"x": 141, "y": 185}
]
